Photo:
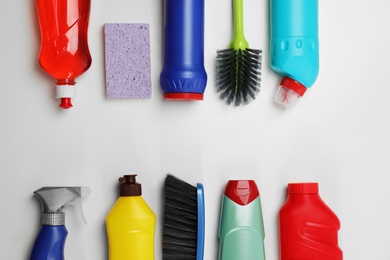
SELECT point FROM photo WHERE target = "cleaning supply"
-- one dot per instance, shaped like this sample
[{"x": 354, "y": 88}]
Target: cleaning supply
[
  {"x": 183, "y": 76},
  {"x": 239, "y": 67},
  {"x": 127, "y": 60},
  {"x": 130, "y": 224},
  {"x": 184, "y": 220},
  {"x": 307, "y": 226},
  {"x": 241, "y": 228},
  {"x": 64, "y": 52},
  {"x": 294, "y": 47},
  {"x": 50, "y": 242}
]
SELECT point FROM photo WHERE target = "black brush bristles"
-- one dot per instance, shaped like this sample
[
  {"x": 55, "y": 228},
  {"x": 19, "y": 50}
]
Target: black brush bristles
[
  {"x": 238, "y": 75},
  {"x": 180, "y": 220}
]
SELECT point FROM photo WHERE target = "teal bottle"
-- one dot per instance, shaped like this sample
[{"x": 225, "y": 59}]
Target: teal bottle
[
  {"x": 241, "y": 228},
  {"x": 294, "y": 47}
]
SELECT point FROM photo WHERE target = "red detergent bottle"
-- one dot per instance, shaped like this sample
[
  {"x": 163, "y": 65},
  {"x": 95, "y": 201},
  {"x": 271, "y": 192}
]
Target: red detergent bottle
[
  {"x": 64, "y": 52},
  {"x": 308, "y": 228}
]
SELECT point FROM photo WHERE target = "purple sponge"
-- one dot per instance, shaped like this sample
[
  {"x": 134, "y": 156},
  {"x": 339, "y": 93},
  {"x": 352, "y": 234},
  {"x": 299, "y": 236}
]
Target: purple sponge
[{"x": 127, "y": 56}]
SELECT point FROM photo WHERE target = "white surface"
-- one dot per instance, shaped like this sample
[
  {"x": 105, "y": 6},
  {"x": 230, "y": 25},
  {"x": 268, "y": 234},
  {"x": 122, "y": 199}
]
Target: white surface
[{"x": 338, "y": 133}]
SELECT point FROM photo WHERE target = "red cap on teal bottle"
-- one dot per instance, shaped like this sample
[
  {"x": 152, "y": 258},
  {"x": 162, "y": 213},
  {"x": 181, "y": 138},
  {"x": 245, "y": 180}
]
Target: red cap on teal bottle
[{"x": 242, "y": 192}]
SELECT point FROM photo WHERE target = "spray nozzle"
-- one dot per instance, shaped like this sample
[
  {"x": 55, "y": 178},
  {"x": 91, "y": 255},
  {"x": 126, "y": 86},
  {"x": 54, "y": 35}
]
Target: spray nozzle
[{"x": 54, "y": 199}]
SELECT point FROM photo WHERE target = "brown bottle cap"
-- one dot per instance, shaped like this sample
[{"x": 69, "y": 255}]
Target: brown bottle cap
[{"x": 129, "y": 187}]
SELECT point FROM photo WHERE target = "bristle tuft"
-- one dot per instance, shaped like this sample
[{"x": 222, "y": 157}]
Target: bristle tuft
[
  {"x": 180, "y": 220},
  {"x": 238, "y": 75}
]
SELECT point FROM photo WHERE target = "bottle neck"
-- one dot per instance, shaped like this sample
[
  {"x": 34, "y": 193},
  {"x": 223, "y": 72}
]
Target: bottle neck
[
  {"x": 53, "y": 219},
  {"x": 300, "y": 196},
  {"x": 304, "y": 197},
  {"x": 65, "y": 90},
  {"x": 65, "y": 82}
]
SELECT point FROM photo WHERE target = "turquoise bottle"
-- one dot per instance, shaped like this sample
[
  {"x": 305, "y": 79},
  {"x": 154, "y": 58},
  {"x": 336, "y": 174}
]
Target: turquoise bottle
[
  {"x": 241, "y": 228},
  {"x": 294, "y": 47}
]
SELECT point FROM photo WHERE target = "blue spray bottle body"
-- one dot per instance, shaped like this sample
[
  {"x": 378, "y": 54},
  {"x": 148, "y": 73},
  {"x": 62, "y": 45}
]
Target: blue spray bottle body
[
  {"x": 294, "y": 46},
  {"x": 50, "y": 241},
  {"x": 183, "y": 76}
]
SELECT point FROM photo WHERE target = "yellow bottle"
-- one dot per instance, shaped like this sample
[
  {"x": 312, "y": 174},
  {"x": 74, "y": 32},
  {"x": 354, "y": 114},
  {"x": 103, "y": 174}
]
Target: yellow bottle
[{"x": 130, "y": 224}]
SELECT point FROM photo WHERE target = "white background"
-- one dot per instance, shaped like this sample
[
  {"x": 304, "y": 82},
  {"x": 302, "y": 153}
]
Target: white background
[{"x": 337, "y": 135}]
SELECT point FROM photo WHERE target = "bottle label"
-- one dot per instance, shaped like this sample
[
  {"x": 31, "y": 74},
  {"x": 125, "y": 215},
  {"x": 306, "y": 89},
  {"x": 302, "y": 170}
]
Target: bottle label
[{"x": 319, "y": 233}]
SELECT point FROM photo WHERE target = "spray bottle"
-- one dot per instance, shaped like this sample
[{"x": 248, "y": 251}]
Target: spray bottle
[
  {"x": 241, "y": 227},
  {"x": 50, "y": 242},
  {"x": 294, "y": 47},
  {"x": 130, "y": 224}
]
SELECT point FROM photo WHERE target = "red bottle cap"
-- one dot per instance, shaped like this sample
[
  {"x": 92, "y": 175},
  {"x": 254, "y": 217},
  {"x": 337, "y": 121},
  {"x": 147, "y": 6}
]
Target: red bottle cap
[
  {"x": 242, "y": 192},
  {"x": 293, "y": 85},
  {"x": 183, "y": 96},
  {"x": 303, "y": 188},
  {"x": 66, "y": 103}
]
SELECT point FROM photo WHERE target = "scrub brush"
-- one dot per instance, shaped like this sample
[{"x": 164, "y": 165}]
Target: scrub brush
[
  {"x": 239, "y": 67},
  {"x": 183, "y": 234}
]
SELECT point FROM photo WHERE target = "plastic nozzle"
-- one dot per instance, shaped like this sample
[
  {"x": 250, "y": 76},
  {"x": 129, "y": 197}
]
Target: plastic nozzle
[
  {"x": 65, "y": 93},
  {"x": 289, "y": 92},
  {"x": 66, "y": 103},
  {"x": 242, "y": 192},
  {"x": 129, "y": 186},
  {"x": 53, "y": 199}
]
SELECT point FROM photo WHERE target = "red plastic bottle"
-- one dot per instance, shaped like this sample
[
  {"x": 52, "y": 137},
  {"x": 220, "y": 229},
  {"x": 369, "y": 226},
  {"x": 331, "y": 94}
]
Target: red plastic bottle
[
  {"x": 308, "y": 228},
  {"x": 64, "y": 52}
]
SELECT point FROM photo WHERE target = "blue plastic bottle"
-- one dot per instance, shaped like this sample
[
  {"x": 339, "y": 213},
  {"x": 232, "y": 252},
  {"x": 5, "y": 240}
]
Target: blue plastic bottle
[
  {"x": 294, "y": 47},
  {"x": 50, "y": 242},
  {"x": 183, "y": 76}
]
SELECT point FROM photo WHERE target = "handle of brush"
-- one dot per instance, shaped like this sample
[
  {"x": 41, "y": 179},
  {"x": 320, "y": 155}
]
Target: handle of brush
[
  {"x": 239, "y": 41},
  {"x": 201, "y": 223},
  {"x": 183, "y": 72}
]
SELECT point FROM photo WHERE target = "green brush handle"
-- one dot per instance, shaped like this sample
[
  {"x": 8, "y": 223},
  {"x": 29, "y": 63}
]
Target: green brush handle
[{"x": 239, "y": 41}]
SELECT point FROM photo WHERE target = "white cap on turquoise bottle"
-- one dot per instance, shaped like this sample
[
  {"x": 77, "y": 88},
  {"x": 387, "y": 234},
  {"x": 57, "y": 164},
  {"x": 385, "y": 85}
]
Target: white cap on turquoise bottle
[{"x": 289, "y": 92}]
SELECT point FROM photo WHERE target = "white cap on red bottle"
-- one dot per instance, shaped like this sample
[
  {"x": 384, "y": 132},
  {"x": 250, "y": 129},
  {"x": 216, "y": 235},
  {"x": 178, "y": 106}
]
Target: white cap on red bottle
[{"x": 65, "y": 93}]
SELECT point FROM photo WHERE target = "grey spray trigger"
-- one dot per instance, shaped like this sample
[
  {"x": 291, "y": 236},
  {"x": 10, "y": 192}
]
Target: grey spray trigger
[
  {"x": 54, "y": 199},
  {"x": 50, "y": 241}
]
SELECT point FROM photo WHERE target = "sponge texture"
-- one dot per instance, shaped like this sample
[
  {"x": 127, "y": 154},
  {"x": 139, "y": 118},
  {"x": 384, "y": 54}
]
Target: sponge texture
[{"x": 127, "y": 58}]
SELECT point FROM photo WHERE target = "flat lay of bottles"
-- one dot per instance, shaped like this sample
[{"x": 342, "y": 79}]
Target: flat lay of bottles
[
  {"x": 294, "y": 47},
  {"x": 308, "y": 228}
]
